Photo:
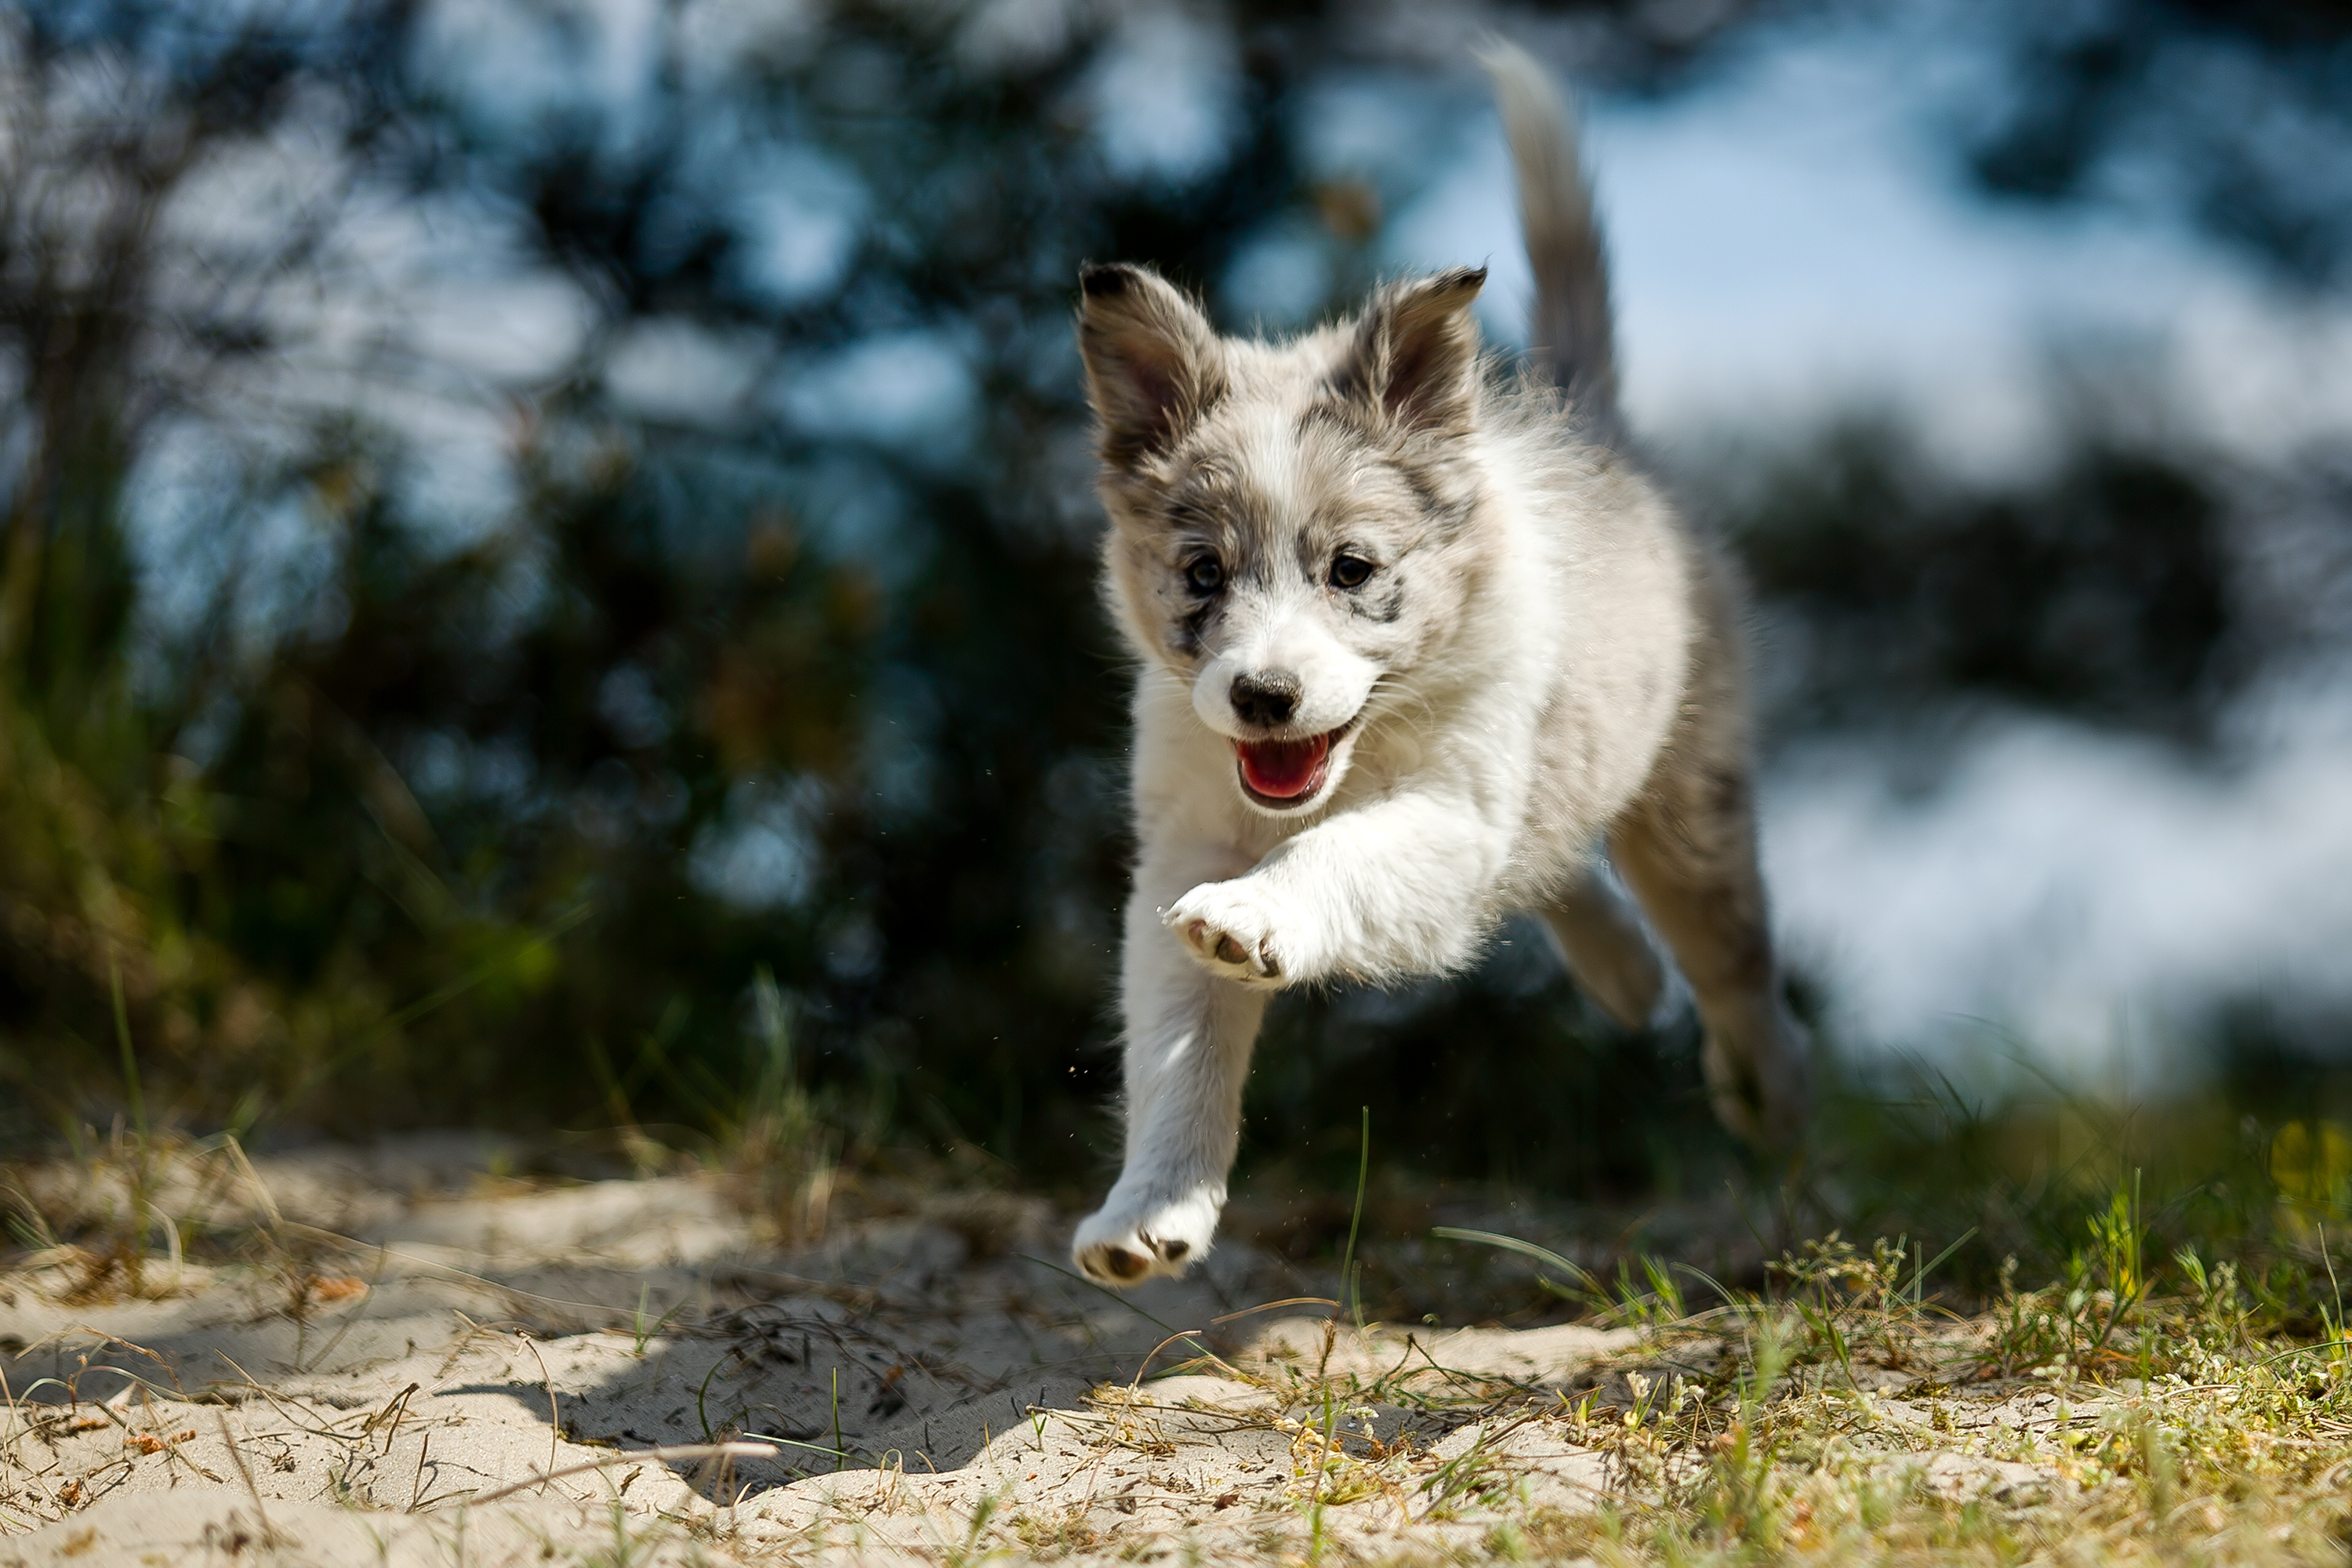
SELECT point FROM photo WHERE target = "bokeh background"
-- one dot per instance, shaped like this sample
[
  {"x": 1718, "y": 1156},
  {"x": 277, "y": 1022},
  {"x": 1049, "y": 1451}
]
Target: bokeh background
[{"x": 547, "y": 562}]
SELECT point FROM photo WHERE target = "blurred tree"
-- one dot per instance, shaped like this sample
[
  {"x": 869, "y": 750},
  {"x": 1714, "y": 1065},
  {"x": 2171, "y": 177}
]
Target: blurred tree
[
  {"x": 2238, "y": 114},
  {"x": 2103, "y": 589}
]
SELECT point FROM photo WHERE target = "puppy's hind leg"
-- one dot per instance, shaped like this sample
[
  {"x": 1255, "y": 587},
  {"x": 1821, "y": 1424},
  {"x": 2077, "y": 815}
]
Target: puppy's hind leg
[
  {"x": 1687, "y": 849},
  {"x": 1608, "y": 956}
]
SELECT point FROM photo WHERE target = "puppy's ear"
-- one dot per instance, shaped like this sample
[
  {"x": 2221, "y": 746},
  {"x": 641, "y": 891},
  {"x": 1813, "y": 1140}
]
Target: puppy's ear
[
  {"x": 1415, "y": 353},
  {"x": 1153, "y": 363}
]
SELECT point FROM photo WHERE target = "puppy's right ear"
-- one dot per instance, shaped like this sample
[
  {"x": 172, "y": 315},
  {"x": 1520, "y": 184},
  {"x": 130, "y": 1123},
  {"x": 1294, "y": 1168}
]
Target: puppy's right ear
[
  {"x": 1152, "y": 364},
  {"x": 1415, "y": 357}
]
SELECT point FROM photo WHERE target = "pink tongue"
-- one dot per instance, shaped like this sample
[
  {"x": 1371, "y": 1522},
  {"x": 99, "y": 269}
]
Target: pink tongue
[{"x": 1283, "y": 770}]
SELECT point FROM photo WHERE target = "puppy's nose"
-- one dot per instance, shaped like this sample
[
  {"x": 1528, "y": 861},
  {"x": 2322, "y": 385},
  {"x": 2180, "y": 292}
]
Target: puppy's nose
[{"x": 1267, "y": 699}]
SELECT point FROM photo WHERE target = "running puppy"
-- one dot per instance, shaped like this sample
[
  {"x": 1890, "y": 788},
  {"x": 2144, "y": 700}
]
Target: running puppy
[{"x": 1419, "y": 646}]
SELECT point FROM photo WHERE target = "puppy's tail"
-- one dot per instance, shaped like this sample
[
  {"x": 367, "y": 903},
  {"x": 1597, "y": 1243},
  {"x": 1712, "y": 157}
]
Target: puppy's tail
[{"x": 1574, "y": 341}]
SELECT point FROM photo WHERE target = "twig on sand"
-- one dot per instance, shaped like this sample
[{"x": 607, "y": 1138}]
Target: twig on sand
[
  {"x": 1184, "y": 1335},
  {"x": 269, "y": 1536},
  {"x": 680, "y": 1451},
  {"x": 555, "y": 1421},
  {"x": 1270, "y": 1306}
]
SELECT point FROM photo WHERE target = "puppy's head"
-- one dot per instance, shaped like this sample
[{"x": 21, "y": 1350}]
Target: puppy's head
[{"x": 1286, "y": 520}]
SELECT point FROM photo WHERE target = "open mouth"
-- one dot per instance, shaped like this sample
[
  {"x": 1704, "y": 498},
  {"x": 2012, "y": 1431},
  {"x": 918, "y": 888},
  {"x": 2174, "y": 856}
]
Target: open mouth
[{"x": 1282, "y": 773}]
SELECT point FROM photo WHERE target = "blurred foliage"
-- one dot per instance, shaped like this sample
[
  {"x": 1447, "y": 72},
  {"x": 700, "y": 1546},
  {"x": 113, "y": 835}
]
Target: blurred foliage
[
  {"x": 2102, "y": 588},
  {"x": 1506, "y": 1076},
  {"x": 2236, "y": 113},
  {"x": 2252, "y": 1164}
]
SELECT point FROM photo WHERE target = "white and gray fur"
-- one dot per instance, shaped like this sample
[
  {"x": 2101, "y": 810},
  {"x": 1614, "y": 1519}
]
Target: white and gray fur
[{"x": 1531, "y": 661}]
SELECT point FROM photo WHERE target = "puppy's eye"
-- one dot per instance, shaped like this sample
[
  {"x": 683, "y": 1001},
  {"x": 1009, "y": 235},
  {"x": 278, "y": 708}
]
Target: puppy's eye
[
  {"x": 1350, "y": 571},
  {"x": 1207, "y": 574}
]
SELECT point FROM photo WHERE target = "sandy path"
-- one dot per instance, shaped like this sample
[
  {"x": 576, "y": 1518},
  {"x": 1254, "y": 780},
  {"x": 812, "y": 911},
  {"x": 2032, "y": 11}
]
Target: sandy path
[{"x": 935, "y": 1389}]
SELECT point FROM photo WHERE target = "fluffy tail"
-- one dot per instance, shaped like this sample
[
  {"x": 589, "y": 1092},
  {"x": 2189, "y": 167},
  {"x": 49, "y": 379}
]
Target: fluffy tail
[{"x": 1574, "y": 341}]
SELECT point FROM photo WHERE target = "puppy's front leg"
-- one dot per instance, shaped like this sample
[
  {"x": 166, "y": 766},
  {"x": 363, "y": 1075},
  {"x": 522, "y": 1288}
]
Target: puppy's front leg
[
  {"x": 1396, "y": 887},
  {"x": 1188, "y": 1048}
]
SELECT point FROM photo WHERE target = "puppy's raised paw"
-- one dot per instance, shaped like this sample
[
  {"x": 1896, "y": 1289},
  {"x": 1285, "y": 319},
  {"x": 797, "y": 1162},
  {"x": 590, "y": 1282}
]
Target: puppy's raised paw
[{"x": 1226, "y": 927}]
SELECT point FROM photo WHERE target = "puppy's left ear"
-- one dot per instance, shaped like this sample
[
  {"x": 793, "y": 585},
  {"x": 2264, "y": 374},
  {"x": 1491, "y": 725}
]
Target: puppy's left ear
[{"x": 1415, "y": 354}]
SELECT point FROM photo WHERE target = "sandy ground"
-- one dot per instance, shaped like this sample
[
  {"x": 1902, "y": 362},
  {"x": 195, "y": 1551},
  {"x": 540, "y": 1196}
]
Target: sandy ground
[{"x": 423, "y": 1365}]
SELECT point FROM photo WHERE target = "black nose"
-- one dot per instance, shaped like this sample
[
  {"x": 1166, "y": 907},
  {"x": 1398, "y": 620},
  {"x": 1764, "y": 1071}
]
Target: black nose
[{"x": 1267, "y": 699}]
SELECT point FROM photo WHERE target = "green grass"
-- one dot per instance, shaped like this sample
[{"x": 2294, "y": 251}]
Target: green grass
[{"x": 2136, "y": 1408}]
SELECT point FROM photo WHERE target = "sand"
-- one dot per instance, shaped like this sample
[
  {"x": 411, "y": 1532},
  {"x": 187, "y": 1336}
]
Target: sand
[{"x": 420, "y": 1364}]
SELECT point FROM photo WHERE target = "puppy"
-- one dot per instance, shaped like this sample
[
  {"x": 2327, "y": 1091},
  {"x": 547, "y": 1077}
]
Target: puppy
[{"x": 1420, "y": 644}]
